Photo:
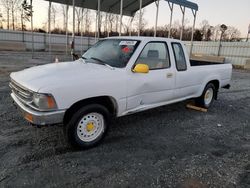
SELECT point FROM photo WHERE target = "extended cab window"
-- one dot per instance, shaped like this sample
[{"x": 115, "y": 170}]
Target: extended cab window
[
  {"x": 155, "y": 55},
  {"x": 180, "y": 60},
  {"x": 114, "y": 52}
]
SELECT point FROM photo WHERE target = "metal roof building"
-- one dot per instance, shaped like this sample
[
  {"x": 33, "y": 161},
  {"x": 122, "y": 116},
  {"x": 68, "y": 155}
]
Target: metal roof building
[{"x": 127, "y": 8}]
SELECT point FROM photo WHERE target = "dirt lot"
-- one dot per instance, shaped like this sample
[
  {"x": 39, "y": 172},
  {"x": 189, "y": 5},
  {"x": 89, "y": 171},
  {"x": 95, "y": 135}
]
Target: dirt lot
[{"x": 166, "y": 147}]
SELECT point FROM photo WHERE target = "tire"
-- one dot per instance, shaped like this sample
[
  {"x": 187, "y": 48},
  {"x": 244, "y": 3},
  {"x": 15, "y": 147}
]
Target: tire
[
  {"x": 207, "y": 97},
  {"x": 87, "y": 127}
]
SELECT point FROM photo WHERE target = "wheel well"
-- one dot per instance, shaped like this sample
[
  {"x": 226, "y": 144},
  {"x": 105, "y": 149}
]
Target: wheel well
[
  {"x": 106, "y": 101},
  {"x": 216, "y": 84}
]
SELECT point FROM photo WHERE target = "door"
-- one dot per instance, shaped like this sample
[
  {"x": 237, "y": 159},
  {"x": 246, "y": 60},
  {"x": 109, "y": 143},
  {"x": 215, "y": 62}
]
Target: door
[
  {"x": 157, "y": 85},
  {"x": 185, "y": 86}
]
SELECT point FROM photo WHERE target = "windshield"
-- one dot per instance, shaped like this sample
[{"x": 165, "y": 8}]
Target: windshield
[{"x": 113, "y": 52}]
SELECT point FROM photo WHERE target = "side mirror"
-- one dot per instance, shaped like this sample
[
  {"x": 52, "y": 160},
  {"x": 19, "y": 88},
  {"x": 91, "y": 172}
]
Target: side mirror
[{"x": 141, "y": 68}]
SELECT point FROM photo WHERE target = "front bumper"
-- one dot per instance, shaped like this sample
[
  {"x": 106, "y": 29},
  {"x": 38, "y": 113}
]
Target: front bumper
[{"x": 36, "y": 117}]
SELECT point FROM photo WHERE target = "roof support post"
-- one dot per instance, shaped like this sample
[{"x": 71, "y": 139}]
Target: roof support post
[
  {"x": 182, "y": 23},
  {"x": 248, "y": 33},
  {"x": 192, "y": 36},
  {"x": 66, "y": 28},
  {"x": 32, "y": 28},
  {"x": 73, "y": 33},
  {"x": 49, "y": 27},
  {"x": 140, "y": 18},
  {"x": 98, "y": 21},
  {"x": 171, "y": 7},
  {"x": 156, "y": 19},
  {"x": 82, "y": 30},
  {"x": 121, "y": 7}
]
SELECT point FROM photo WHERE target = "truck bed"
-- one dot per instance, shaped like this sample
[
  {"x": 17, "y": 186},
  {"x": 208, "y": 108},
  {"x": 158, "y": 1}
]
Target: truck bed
[{"x": 202, "y": 63}]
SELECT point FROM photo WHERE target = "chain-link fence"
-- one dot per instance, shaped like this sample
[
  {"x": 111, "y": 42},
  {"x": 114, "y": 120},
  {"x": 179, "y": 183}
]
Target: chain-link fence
[
  {"x": 60, "y": 45},
  {"x": 236, "y": 53}
]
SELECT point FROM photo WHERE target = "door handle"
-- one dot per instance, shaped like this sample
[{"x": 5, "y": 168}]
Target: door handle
[{"x": 170, "y": 75}]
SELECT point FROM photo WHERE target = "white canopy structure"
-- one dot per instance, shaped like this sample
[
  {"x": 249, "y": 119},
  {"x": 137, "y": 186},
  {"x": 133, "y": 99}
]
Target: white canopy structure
[{"x": 123, "y": 7}]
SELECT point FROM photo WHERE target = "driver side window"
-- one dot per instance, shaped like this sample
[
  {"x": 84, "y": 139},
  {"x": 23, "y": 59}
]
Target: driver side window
[{"x": 155, "y": 55}]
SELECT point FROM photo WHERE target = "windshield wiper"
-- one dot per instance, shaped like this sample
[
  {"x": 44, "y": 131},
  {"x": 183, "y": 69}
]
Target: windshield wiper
[
  {"x": 101, "y": 62},
  {"x": 83, "y": 59}
]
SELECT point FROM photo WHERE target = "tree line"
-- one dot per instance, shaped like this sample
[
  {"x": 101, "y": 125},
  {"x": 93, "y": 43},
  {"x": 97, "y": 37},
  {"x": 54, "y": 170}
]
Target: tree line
[{"x": 15, "y": 15}]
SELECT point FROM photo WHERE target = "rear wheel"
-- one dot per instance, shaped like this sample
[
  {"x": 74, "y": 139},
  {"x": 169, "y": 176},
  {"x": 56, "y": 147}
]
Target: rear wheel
[
  {"x": 207, "y": 97},
  {"x": 87, "y": 126}
]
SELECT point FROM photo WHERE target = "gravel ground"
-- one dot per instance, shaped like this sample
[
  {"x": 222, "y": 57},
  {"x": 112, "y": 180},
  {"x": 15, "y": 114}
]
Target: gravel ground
[{"x": 169, "y": 146}]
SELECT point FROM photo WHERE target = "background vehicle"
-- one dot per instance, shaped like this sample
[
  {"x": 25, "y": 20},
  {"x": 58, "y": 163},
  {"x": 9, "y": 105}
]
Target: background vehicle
[{"x": 116, "y": 77}]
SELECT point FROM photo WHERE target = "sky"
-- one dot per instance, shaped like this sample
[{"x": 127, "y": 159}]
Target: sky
[{"x": 229, "y": 12}]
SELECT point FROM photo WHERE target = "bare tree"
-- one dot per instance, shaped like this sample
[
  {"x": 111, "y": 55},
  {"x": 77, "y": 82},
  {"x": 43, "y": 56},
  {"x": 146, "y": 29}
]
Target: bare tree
[
  {"x": 232, "y": 33},
  {"x": 175, "y": 30},
  {"x": 26, "y": 13},
  {"x": 83, "y": 18},
  {"x": 143, "y": 21},
  {"x": 64, "y": 13},
  {"x": 6, "y": 5},
  {"x": 13, "y": 5},
  {"x": 80, "y": 13},
  {"x": 198, "y": 35},
  {"x": 126, "y": 25},
  {"x": 1, "y": 20},
  {"x": 162, "y": 31},
  {"x": 116, "y": 22},
  {"x": 78, "y": 18},
  {"x": 102, "y": 22},
  {"x": 204, "y": 29},
  {"x": 111, "y": 19},
  {"x": 45, "y": 25},
  {"x": 216, "y": 32},
  {"x": 87, "y": 21},
  {"x": 53, "y": 15},
  {"x": 106, "y": 22},
  {"x": 11, "y": 10}
]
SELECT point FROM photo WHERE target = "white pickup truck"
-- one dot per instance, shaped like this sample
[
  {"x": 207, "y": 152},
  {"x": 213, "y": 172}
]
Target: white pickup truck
[{"x": 116, "y": 77}]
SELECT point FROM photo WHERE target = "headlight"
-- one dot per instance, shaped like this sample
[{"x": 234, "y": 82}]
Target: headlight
[{"x": 44, "y": 101}]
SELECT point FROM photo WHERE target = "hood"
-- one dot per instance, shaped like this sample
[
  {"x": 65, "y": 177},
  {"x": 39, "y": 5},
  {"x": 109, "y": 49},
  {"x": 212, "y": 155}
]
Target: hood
[{"x": 38, "y": 77}]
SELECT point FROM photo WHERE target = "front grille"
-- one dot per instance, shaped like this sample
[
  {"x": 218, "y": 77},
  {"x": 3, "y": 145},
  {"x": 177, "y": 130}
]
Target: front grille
[{"x": 21, "y": 92}]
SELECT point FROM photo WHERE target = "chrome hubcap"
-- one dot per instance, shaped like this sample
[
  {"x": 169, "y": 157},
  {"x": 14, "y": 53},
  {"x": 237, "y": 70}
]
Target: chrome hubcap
[
  {"x": 90, "y": 127},
  {"x": 208, "y": 96}
]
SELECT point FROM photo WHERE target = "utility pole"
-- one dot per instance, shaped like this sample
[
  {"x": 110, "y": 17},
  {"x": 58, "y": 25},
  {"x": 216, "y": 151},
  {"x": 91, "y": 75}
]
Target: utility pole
[
  {"x": 248, "y": 33},
  {"x": 31, "y": 21},
  {"x": 223, "y": 28}
]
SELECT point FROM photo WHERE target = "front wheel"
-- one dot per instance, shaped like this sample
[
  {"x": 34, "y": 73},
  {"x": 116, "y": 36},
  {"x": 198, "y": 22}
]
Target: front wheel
[
  {"x": 87, "y": 126},
  {"x": 207, "y": 97}
]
